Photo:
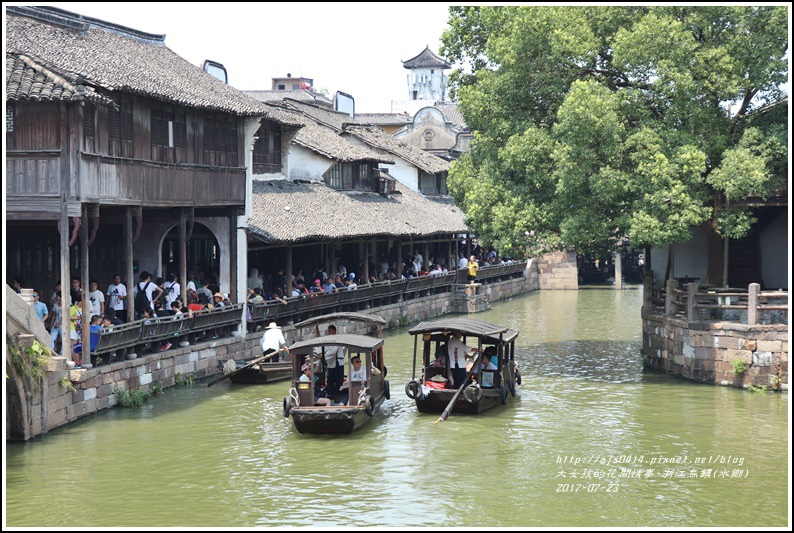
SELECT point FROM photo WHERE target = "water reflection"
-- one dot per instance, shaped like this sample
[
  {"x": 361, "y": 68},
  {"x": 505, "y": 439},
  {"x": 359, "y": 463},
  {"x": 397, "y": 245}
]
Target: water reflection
[{"x": 225, "y": 456}]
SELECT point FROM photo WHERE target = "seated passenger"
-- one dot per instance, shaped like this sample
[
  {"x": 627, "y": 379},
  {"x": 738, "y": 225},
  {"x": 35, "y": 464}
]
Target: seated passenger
[
  {"x": 318, "y": 398},
  {"x": 441, "y": 359},
  {"x": 485, "y": 363}
]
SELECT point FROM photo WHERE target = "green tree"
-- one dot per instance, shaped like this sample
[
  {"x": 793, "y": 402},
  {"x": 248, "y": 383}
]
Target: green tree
[{"x": 593, "y": 124}]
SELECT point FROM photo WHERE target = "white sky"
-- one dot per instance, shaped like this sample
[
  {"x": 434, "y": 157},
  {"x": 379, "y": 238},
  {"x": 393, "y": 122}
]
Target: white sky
[{"x": 356, "y": 48}]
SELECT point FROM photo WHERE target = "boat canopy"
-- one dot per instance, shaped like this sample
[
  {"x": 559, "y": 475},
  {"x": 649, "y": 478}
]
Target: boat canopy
[
  {"x": 350, "y": 341},
  {"x": 375, "y": 320},
  {"x": 469, "y": 327}
]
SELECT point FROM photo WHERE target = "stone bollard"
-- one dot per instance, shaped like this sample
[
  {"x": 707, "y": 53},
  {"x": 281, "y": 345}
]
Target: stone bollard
[{"x": 752, "y": 303}]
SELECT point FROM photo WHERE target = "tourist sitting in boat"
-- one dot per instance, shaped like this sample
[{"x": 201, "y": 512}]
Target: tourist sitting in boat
[
  {"x": 319, "y": 395},
  {"x": 358, "y": 373},
  {"x": 484, "y": 363},
  {"x": 441, "y": 359}
]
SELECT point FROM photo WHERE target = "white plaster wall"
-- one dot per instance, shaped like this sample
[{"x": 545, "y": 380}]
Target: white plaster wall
[
  {"x": 690, "y": 259},
  {"x": 404, "y": 172},
  {"x": 775, "y": 264},
  {"x": 306, "y": 164},
  {"x": 431, "y": 88}
]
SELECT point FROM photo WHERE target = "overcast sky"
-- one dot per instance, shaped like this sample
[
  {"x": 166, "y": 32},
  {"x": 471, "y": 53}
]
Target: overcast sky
[{"x": 357, "y": 48}]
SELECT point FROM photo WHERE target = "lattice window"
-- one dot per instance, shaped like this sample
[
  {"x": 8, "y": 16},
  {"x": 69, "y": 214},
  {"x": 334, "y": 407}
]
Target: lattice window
[
  {"x": 120, "y": 134},
  {"x": 220, "y": 141},
  {"x": 89, "y": 112},
  {"x": 267, "y": 150},
  {"x": 10, "y": 108},
  {"x": 334, "y": 177}
]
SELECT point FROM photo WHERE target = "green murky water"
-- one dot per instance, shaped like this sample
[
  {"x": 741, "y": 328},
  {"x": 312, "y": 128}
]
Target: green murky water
[{"x": 592, "y": 439}]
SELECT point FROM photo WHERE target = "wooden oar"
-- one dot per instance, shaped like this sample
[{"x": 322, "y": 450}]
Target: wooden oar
[
  {"x": 448, "y": 410},
  {"x": 249, "y": 365}
]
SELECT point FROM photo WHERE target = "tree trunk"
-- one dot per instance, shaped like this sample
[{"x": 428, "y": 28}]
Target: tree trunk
[{"x": 714, "y": 272}]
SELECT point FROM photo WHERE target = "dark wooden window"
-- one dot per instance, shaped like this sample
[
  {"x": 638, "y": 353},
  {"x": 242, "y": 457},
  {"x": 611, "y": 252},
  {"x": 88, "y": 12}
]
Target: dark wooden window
[
  {"x": 10, "y": 117},
  {"x": 169, "y": 134},
  {"x": 267, "y": 150},
  {"x": 334, "y": 177},
  {"x": 89, "y": 126},
  {"x": 351, "y": 176},
  {"x": 120, "y": 143},
  {"x": 220, "y": 141},
  {"x": 432, "y": 184}
]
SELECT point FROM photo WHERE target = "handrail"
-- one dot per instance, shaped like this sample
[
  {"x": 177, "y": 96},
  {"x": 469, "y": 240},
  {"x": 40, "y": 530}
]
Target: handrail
[{"x": 698, "y": 303}]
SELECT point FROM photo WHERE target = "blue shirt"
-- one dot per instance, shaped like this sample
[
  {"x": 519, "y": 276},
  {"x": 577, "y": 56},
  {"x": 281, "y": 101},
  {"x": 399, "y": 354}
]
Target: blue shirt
[{"x": 41, "y": 309}]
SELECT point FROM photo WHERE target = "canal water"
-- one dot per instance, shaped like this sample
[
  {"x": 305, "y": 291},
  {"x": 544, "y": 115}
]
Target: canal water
[{"x": 591, "y": 439}]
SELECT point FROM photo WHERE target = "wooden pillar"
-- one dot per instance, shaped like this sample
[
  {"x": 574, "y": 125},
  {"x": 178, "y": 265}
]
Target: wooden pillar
[
  {"x": 468, "y": 245},
  {"x": 669, "y": 297},
  {"x": 691, "y": 301},
  {"x": 233, "y": 258},
  {"x": 86, "y": 322},
  {"x": 129, "y": 275},
  {"x": 426, "y": 255},
  {"x": 725, "y": 262},
  {"x": 183, "y": 256},
  {"x": 399, "y": 245},
  {"x": 362, "y": 252},
  {"x": 66, "y": 282},
  {"x": 450, "y": 261},
  {"x": 752, "y": 303},
  {"x": 289, "y": 271}
]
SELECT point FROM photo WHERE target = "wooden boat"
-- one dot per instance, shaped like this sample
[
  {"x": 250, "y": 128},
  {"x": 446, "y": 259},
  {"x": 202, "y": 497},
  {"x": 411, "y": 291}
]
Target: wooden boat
[
  {"x": 431, "y": 388},
  {"x": 364, "y": 398},
  {"x": 259, "y": 373}
]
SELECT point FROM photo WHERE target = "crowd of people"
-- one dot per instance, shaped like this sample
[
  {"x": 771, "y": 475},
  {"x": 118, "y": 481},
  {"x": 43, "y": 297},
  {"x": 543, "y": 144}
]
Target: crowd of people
[{"x": 266, "y": 287}]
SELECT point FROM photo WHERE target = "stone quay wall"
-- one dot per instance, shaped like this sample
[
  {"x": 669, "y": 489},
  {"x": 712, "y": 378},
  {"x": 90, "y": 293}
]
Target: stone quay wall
[
  {"x": 558, "y": 271},
  {"x": 710, "y": 352},
  {"x": 36, "y": 409}
]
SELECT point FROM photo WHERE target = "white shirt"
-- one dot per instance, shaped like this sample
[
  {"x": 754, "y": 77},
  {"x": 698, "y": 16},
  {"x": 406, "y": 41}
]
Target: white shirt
[
  {"x": 172, "y": 293},
  {"x": 272, "y": 339},
  {"x": 334, "y": 355},
  {"x": 304, "y": 377},
  {"x": 96, "y": 299},
  {"x": 358, "y": 375},
  {"x": 452, "y": 344},
  {"x": 150, "y": 288},
  {"x": 114, "y": 291}
]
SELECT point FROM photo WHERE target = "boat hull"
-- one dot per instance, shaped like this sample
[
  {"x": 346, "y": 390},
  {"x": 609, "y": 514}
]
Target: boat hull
[
  {"x": 437, "y": 400},
  {"x": 263, "y": 373},
  {"x": 329, "y": 420}
]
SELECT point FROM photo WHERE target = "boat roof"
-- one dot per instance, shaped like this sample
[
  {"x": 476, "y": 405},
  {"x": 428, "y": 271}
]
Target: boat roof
[
  {"x": 470, "y": 327},
  {"x": 331, "y": 317},
  {"x": 348, "y": 340}
]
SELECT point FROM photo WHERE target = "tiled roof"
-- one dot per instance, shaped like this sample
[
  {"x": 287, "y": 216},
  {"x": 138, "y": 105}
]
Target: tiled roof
[
  {"x": 326, "y": 141},
  {"x": 329, "y": 117},
  {"x": 426, "y": 58},
  {"x": 383, "y": 119},
  {"x": 300, "y": 95},
  {"x": 378, "y": 138},
  {"x": 28, "y": 80},
  {"x": 452, "y": 114},
  {"x": 287, "y": 212},
  {"x": 103, "y": 55}
]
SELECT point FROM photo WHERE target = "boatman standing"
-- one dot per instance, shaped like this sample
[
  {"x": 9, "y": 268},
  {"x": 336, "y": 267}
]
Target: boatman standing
[
  {"x": 457, "y": 352},
  {"x": 273, "y": 340}
]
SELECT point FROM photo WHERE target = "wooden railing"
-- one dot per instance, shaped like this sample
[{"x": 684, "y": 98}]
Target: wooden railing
[
  {"x": 697, "y": 303},
  {"x": 146, "y": 334},
  {"x": 375, "y": 294}
]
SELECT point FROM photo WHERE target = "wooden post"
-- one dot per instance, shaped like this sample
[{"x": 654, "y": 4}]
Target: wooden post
[
  {"x": 233, "y": 258},
  {"x": 289, "y": 272},
  {"x": 66, "y": 276},
  {"x": 752, "y": 303},
  {"x": 86, "y": 322},
  {"x": 399, "y": 258},
  {"x": 128, "y": 260},
  {"x": 182, "y": 257},
  {"x": 365, "y": 262},
  {"x": 669, "y": 297},
  {"x": 691, "y": 301}
]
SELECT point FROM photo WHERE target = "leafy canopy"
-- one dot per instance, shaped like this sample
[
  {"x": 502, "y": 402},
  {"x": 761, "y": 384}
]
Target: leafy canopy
[{"x": 597, "y": 123}]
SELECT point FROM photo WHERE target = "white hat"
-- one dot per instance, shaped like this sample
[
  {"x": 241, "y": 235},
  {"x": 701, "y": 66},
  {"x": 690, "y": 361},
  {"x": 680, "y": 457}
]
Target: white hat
[
  {"x": 272, "y": 325},
  {"x": 305, "y": 367},
  {"x": 352, "y": 276}
]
